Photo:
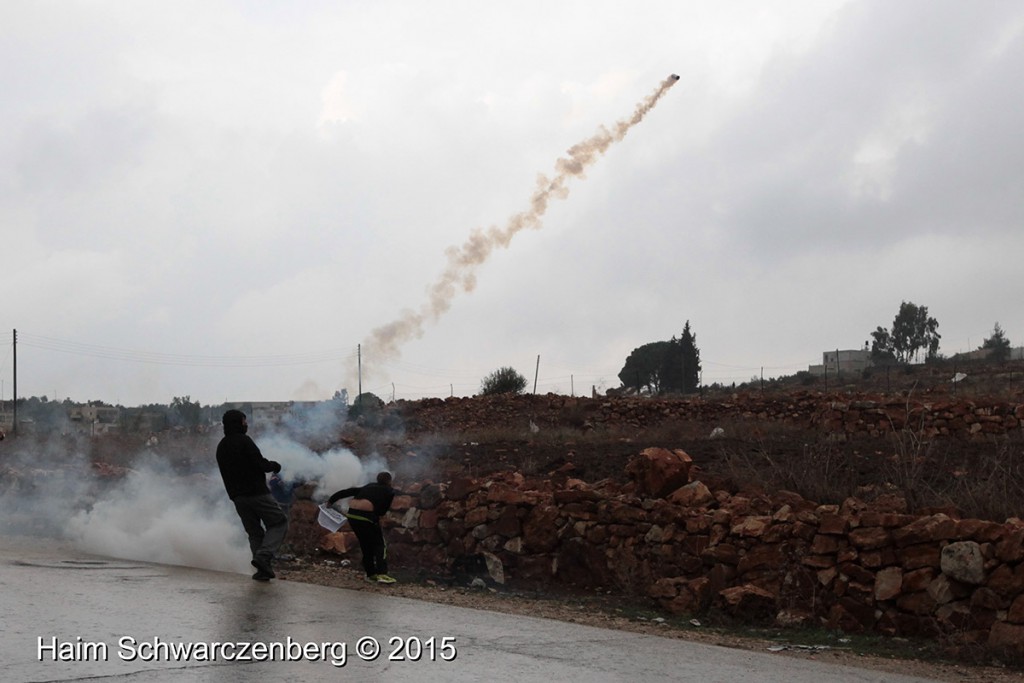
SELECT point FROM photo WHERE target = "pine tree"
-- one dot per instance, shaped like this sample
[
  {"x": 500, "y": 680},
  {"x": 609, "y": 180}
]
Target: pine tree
[
  {"x": 690, "y": 360},
  {"x": 680, "y": 370},
  {"x": 998, "y": 343}
]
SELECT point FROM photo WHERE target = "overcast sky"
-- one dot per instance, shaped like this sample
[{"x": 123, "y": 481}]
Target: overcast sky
[{"x": 224, "y": 199}]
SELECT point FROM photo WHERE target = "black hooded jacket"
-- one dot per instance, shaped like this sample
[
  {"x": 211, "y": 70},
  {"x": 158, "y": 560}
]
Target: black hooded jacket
[
  {"x": 242, "y": 467},
  {"x": 380, "y": 495}
]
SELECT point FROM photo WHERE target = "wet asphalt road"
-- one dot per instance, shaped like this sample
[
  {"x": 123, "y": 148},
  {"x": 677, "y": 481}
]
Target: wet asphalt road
[{"x": 69, "y": 617}]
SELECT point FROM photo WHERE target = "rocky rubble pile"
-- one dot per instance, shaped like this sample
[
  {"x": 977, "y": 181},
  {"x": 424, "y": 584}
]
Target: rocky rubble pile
[
  {"x": 859, "y": 566},
  {"x": 931, "y": 415}
]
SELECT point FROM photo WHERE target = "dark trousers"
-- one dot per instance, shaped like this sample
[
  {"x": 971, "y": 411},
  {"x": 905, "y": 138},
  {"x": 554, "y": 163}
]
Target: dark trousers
[
  {"x": 264, "y": 522},
  {"x": 366, "y": 527}
]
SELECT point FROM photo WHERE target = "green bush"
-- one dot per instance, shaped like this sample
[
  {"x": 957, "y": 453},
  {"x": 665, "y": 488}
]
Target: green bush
[
  {"x": 502, "y": 381},
  {"x": 365, "y": 404},
  {"x": 806, "y": 378}
]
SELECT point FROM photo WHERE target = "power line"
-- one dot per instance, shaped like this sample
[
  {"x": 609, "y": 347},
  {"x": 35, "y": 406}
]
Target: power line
[
  {"x": 159, "y": 358},
  {"x": 464, "y": 377}
]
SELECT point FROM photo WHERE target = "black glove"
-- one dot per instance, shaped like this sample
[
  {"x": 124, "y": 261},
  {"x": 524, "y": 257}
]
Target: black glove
[{"x": 275, "y": 467}]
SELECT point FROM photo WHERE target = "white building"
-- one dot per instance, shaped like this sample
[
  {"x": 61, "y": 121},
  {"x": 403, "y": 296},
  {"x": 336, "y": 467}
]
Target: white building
[{"x": 839, "y": 361}]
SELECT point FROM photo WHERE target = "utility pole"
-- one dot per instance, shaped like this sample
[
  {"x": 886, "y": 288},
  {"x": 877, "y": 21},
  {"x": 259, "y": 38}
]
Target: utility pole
[
  {"x": 14, "y": 395},
  {"x": 359, "y": 363},
  {"x": 535, "y": 373}
]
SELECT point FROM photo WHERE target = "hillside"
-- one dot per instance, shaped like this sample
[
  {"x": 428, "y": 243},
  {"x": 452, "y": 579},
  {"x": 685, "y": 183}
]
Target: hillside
[{"x": 940, "y": 445}]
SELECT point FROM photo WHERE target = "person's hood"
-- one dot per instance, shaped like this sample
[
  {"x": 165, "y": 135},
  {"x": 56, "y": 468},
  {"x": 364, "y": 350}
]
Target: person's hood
[{"x": 233, "y": 422}]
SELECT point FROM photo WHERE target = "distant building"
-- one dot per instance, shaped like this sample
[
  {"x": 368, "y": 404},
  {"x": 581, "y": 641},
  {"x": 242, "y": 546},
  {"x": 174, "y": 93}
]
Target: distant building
[
  {"x": 95, "y": 420},
  {"x": 839, "y": 361},
  {"x": 145, "y": 421},
  {"x": 977, "y": 354},
  {"x": 981, "y": 354},
  {"x": 263, "y": 414}
]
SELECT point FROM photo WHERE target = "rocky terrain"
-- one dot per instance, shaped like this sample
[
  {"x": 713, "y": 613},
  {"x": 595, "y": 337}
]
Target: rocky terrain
[
  {"x": 936, "y": 447},
  {"x": 933, "y": 454}
]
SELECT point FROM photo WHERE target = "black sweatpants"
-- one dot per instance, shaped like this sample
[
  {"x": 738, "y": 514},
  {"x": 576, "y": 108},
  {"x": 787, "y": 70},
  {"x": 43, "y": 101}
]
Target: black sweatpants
[
  {"x": 265, "y": 524},
  {"x": 366, "y": 527}
]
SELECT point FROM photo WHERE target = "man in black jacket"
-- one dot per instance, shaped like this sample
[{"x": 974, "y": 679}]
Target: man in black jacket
[
  {"x": 370, "y": 503},
  {"x": 243, "y": 469}
]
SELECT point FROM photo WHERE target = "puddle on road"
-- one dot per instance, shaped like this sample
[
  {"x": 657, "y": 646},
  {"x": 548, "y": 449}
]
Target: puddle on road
[{"x": 78, "y": 564}]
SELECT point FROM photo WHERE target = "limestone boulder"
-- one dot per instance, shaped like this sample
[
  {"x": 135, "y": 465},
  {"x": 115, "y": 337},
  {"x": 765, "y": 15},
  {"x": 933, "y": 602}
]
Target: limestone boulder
[
  {"x": 338, "y": 542},
  {"x": 540, "y": 530},
  {"x": 495, "y": 569},
  {"x": 748, "y": 601},
  {"x": 963, "y": 561},
  {"x": 888, "y": 583},
  {"x": 657, "y": 472},
  {"x": 692, "y": 495}
]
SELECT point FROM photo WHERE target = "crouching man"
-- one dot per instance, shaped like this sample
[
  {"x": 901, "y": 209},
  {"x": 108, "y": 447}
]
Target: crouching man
[{"x": 243, "y": 469}]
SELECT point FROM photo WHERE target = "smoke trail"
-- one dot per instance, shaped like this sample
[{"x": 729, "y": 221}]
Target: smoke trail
[{"x": 386, "y": 340}]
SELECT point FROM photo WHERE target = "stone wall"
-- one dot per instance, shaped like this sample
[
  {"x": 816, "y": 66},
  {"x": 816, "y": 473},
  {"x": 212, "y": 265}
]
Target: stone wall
[
  {"x": 859, "y": 567},
  {"x": 956, "y": 418}
]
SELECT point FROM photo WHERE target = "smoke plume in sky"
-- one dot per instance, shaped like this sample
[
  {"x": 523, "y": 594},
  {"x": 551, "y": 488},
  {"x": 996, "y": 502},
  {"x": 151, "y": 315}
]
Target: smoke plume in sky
[{"x": 460, "y": 273}]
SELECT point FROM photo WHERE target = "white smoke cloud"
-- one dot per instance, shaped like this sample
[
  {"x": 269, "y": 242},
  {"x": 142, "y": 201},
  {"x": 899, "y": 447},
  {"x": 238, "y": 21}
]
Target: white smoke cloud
[
  {"x": 154, "y": 513},
  {"x": 335, "y": 469},
  {"x": 41, "y": 482}
]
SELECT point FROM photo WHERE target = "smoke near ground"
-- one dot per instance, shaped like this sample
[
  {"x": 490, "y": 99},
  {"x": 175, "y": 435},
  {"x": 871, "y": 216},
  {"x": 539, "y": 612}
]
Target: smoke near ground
[
  {"x": 463, "y": 261},
  {"x": 156, "y": 515},
  {"x": 152, "y": 507}
]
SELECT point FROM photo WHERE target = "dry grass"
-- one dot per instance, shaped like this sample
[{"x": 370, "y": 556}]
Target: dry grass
[
  {"x": 820, "y": 472},
  {"x": 982, "y": 480}
]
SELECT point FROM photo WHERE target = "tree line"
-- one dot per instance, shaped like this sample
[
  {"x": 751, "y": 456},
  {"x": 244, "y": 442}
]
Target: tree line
[
  {"x": 673, "y": 366},
  {"x": 914, "y": 331}
]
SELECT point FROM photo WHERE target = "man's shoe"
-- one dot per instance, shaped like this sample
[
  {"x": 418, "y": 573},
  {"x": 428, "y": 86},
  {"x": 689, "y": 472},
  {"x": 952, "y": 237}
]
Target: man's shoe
[
  {"x": 263, "y": 568},
  {"x": 384, "y": 578},
  {"x": 370, "y": 578},
  {"x": 260, "y": 576}
]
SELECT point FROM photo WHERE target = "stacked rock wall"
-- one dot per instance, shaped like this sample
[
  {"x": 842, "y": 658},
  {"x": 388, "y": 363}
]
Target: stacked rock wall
[
  {"x": 962, "y": 419},
  {"x": 858, "y": 567}
]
